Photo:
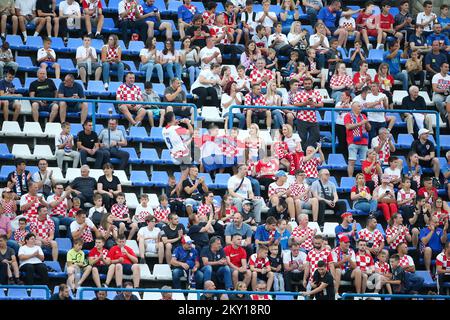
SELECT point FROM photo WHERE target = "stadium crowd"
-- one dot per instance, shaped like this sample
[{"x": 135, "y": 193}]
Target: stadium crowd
[{"x": 267, "y": 231}]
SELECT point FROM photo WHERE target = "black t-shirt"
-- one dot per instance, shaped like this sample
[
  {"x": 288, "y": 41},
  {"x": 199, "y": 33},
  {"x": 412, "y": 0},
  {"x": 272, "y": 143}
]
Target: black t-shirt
[
  {"x": 86, "y": 185},
  {"x": 200, "y": 42},
  {"x": 278, "y": 215},
  {"x": 418, "y": 104},
  {"x": 201, "y": 239},
  {"x": 196, "y": 195},
  {"x": 213, "y": 297},
  {"x": 44, "y": 5},
  {"x": 68, "y": 92},
  {"x": 22, "y": 181},
  {"x": 275, "y": 262},
  {"x": 45, "y": 89},
  {"x": 88, "y": 141},
  {"x": 328, "y": 292},
  {"x": 239, "y": 297},
  {"x": 398, "y": 274},
  {"x": 57, "y": 297},
  {"x": 109, "y": 185},
  {"x": 212, "y": 256},
  {"x": 9, "y": 253},
  {"x": 172, "y": 234},
  {"x": 422, "y": 150}
]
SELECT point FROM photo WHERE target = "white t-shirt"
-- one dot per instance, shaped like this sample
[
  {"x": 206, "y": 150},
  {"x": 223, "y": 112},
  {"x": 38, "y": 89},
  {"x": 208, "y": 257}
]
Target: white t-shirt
[
  {"x": 226, "y": 99},
  {"x": 75, "y": 226},
  {"x": 83, "y": 53},
  {"x": 282, "y": 37},
  {"x": 315, "y": 39},
  {"x": 376, "y": 116},
  {"x": 140, "y": 208},
  {"x": 26, "y": 250},
  {"x": 206, "y": 53},
  {"x": 422, "y": 18},
  {"x": 153, "y": 235},
  {"x": 73, "y": 9},
  {"x": 267, "y": 22},
  {"x": 174, "y": 141},
  {"x": 246, "y": 186},
  {"x": 393, "y": 174},
  {"x": 42, "y": 53},
  {"x": 207, "y": 74},
  {"x": 26, "y": 7},
  {"x": 288, "y": 257},
  {"x": 443, "y": 83},
  {"x": 248, "y": 19},
  {"x": 169, "y": 57}
]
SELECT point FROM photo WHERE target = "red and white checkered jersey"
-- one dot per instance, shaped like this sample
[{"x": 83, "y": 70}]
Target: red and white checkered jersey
[
  {"x": 406, "y": 261},
  {"x": 443, "y": 261},
  {"x": 127, "y": 93},
  {"x": 8, "y": 208},
  {"x": 297, "y": 189},
  {"x": 19, "y": 235},
  {"x": 252, "y": 100},
  {"x": 304, "y": 96},
  {"x": 31, "y": 213},
  {"x": 382, "y": 267},
  {"x": 314, "y": 256},
  {"x": 338, "y": 255},
  {"x": 205, "y": 209},
  {"x": 73, "y": 212},
  {"x": 274, "y": 188},
  {"x": 375, "y": 237},
  {"x": 172, "y": 136},
  {"x": 364, "y": 261},
  {"x": 256, "y": 76},
  {"x": 258, "y": 263},
  {"x": 338, "y": 81},
  {"x": 94, "y": 253},
  {"x": 161, "y": 213},
  {"x": 391, "y": 231},
  {"x": 216, "y": 31},
  {"x": 310, "y": 166},
  {"x": 403, "y": 195},
  {"x": 141, "y": 213},
  {"x": 130, "y": 9},
  {"x": 208, "y": 18},
  {"x": 61, "y": 209},
  {"x": 42, "y": 229},
  {"x": 86, "y": 236},
  {"x": 280, "y": 149},
  {"x": 106, "y": 233},
  {"x": 120, "y": 211},
  {"x": 111, "y": 52},
  {"x": 385, "y": 153},
  {"x": 299, "y": 232},
  {"x": 260, "y": 297},
  {"x": 442, "y": 216}
]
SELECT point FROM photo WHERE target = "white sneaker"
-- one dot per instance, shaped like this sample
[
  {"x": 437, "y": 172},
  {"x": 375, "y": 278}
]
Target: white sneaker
[
  {"x": 370, "y": 47},
  {"x": 106, "y": 86},
  {"x": 380, "y": 46},
  {"x": 337, "y": 296}
]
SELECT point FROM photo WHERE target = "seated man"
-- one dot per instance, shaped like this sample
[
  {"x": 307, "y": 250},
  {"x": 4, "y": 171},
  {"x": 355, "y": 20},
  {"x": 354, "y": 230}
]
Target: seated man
[
  {"x": 112, "y": 140},
  {"x": 443, "y": 266},
  {"x": 193, "y": 189},
  {"x": 88, "y": 145},
  {"x": 237, "y": 260},
  {"x": 44, "y": 229},
  {"x": 294, "y": 261},
  {"x": 93, "y": 15},
  {"x": 71, "y": 90},
  {"x": 427, "y": 157},
  {"x": 264, "y": 234},
  {"x": 214, "y": 262},
  {"x": 8, "y": 89},
  {"x": 43, "y": 87},
  {"x": 414, "y": 101},
  {"x": 126, "y": 262},
  {"x": 256, "y": 98},
  {"x": 83, "y": 187},
  {"x": 441, "y": 91},
  {"x": 185, "y": 15},
  {"x": 186, "y": 261},
  {"x": 130, "y": 92},
  {"x": 392, "y": 58},
  {"x": 432, "y": 238},
  {"x": 87, "y": 61},
  {"x": 101, "y": 264},
  {"x": 152, "y": 18},
  {"x": 171, "y": 235},
  {"x": 82, "y": 228},
  {"x": 260, "y": 267}
]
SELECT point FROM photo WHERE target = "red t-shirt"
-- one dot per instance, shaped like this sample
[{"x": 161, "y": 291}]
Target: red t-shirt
[
  {"x": 424, "y": 193},
  {"x": 266, "y": 170},
  {"x": 364, "y": 140},
  {"x": 94, "y": 253},
  {"x": 386, "y": 22},
  {"x": 116, "y": 253},
  {"x": 362, "y": 18},
  {"x": 368, "y": 176},
  {"x": 235, "y": 255}
]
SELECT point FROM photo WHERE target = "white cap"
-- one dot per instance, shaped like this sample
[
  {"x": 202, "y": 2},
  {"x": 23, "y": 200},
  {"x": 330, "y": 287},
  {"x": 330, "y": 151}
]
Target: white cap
[{"x": 423, "y": 131}]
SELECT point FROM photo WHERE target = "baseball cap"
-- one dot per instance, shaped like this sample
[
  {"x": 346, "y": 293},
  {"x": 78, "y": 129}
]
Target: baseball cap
[
  {"x": 246, "y": 202},
  {"x": 280, "y": 173},
  {"x": 346, "y": 214},
  {"x": 423, "y": 131},
  {"x": 186, "y": 239},
  {"x": 344, "y": 239}
]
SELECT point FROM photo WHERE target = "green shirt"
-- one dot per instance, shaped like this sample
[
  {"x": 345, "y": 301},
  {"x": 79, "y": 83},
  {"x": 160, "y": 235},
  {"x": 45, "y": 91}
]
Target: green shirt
[{"x": 75, "y": 257}]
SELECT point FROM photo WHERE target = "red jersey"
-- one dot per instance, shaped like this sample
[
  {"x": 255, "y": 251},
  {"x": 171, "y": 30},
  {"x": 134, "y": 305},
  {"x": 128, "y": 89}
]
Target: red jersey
[
  {"x": 362, "y": 19},
  {"x": 358, "y": 135},
  {"x": 235, "y": 255},
  {"x": 258, "y": 263},
  {"x": 432, "y": 194},
  {"x": 116, "y": 253},
  {"x": 266, "y": 170},
  {"x": 94, "y": 253},
  {"x": 386, "y": 22}
]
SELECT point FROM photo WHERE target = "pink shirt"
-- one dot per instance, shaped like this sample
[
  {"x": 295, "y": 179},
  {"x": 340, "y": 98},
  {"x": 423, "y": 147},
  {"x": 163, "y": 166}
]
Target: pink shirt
[{"x": 5, "y": 224}]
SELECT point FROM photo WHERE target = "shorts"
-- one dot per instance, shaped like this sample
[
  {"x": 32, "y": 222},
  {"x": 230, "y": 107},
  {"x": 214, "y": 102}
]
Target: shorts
[
  {"x": 127, "y": 225},
  {"x": 94, "y": 66},
  {"x": 49, "y": 64},
  {"x": 131, "y": 107},
  {"x": 155, "y": 112},
  {"x": 189, "y": 202},
  {"x": 185, "y": 113},
  {"x": 306, "y": 205},
  {"x": 102, "y": 269},
  {"x": 425, "y": 164},
  {"x": 355, "y": 149},
  {"x": 73, "y": 106},
  {"x": 151, "y": 247},
  {"x": 258, "y": 115},
  {"x": 30, "y": 19},
  {"x": 261, "y": 276},
  {"x": 47, "y": 107},
  {"x": 127, "y": 269},
  {"x": 372, "y": 32},
  {"x": 347, "y": 275},
  {"x": 11, "y": 104}
]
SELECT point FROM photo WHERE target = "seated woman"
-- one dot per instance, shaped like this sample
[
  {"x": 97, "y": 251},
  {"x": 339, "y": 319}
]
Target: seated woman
[
  {"x": 189, "y": 59},
  {"x": 108, "y": 230},
  {"x": 361, "y": 196},
  {"x": 31, "y": 259},
  {"x": 385, "y": 196},
  {"x": 371, "y": 169},
  {"x": 112, "y": 59},
  {"x": 340, "y": 82},
  {"x": 287, "y": 148},
  {"x": 108, "y": 186},
  {"x": 386, "y": 81},
  {"x": 150, "y": 60},
  {"x": 229, "y": 98}
]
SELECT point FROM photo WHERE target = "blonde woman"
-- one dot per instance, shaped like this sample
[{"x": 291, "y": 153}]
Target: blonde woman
[
  {"x": 254, "y": 144},
  {"x": 287, "y": 148},
  {"x": 297, "y": 39},
  {"x": 340, "y": 82},
  {"x": 289, "y": 13},
  {"x": 272, "y": 98},
  {"x": 112, "y": 59},
  {"x": 361, "y": 197}
]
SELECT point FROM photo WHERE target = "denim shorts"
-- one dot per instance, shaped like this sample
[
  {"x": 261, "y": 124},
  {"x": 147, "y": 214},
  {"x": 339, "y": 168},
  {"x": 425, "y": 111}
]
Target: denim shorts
[{"x": 355, "y": 149}]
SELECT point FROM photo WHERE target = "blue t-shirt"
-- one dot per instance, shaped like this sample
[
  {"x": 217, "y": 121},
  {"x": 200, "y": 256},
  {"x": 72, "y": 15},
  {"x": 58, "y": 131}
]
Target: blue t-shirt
[
  {"x": 329, "y": 18},
  {"x": 6, "y": 86},
  {"x": 394, "y": 64},
  {"x": 289, "y": 18},
  {"x": 284, "y": 239},
  {"x": 435, "y": 60},
  {"x": 261, "y": 233},
  {"x": 213, "y": 256},
  {"x": 417, "y": 40},
  {"x": 185, "y": 14},
  {"x": 245, "y": 231},
  {"x": 435, "y": 240},
  {"x": 340, "y": 229},
  {"x": 70, "y": 91},
  {"x": 149, "y": 9},
  {"x": 186, "y": 256},
  {"x": 444, "y": 22},
  {"x": 439, "y": 37}
]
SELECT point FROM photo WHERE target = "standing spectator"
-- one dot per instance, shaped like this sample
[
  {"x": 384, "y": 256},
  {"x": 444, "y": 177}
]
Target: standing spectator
[
  {"x": 8, "y": 263},
  {"x": 362, "y": 197},
  {"x": 325, "y": 192},
  {"x": 8, "y": 89},
  {"x": 82, "y": 228},
  {"x": 443, "y": 266},
  {"x": 43, "y": 87},
  {"x": 392, "y": 58},
  {"x": 237, "y": 260},
  {"x": 93, "y": 15},
  {"x": 171, "y": 235},
  {"x": 294, "y": 261},
  {"x": 88, "y": 145},
  {"x": 112, "y": 60},
  {"x": 126, "y": 262},
  {"x": 317, "y": 254},
  {"x": 152, "y": 17},
  {"x": 186, "y": 261},
  {"x": 372, "y": 236},
  {"x": 83, "y": 187},
  {"x": 214, "y": 262},
  {"x": 19, "y": 179},
  {"x": 207, "y": 85},
  {"x": 357, "y": 127},
  {"x": 72, "y": 90},
  {"x": 427, "y": 157},
  {"x": 87, "y": 61},
  {"x": 7, "y": 58},
  {"x": 441, "y": 91},
  {"x": 307, "y": 125},
  {"x": 31, "y": 261},
  {"x": 46, "y": 58},
  {"x": 112, "y": 140},
  {"x": 186, "y": 13},
  {"x": 45, "y": 10},
  {"x": 60, "y": 203},
  {"x": 130, "y": 92},
  {"x": 130, "y": 14},
  {"x": 70, "y": 18},
  {"x": 432, "y": 238},
  {"x": 64, "y": 146},
  {"x": 101, "y": 263},
  {"x": 30, "y": 202},
  {"x": 322, "y": 283},
  {"x": 396, "y": 232},
  {"x": 385, "y": 196}
]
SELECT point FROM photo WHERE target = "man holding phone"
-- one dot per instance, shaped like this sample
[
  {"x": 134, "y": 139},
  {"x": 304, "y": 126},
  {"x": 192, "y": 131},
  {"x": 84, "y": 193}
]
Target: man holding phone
[
  {"x": 72, "y": 90},
  {"x": 152, "y": 18}
]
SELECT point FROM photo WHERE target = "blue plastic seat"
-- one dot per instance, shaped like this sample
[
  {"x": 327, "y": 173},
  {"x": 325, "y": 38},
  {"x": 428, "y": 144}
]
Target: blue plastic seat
[
  {"x": 109, "y": 26},
  {"x": 113, "y": 6},
  {"x": 334, "y": 181},
  {"x": 139, "y": 134},
  {"x": 337, "y": 161},
  {"x": 283, "y": 297},
  {"x": 199, "y": 6},
  {"x": 140, "y": 179},
  {"x": 64, "y": 245},
  {"x": 75, "y": 128},
  {"x": 150, "y": 156},
  {"x": 404, "y": 141},
  {"x": 221, "y": 181},
  {"x": 103, "y": 111},
  {"x": 4, "y": 152},
  {"x": 428, "y": 281},
  {"x": 113, "y": 86},
  {"x": 207, "y": 177},
  {"x": 5, "y": 171},
  {"x": 73, "y": 44},
  {"x": 159, "y": 88},
  {"x": 347, "y": 183},
  {"x": 96, "y": 88},
  {"x": 375, "y": 56},
  {"x": 15, "y": 42},
  {"x": 87, "y": 295},
  {"x": 67, "y": 66},
  {"x": 159, "y": 179},
  {"x": 134, "y": 48},
  {"x": 58, "y": 44},
  {"x": 97, "y": 44},
  {"x": 131, "y": 65},
  {"x": 25, "y": 64},
  {"x": 184, "y": 221},
  {"x": 18, "y": 293},
  {"x": 166, "y": 157},
  {"x": 445, "y": 141},
  {"x": 34, "y": 43},
  {"x": 380, "y": 228},
  {"x": 134, "y": 159},
  {"x": 58, "y": 273},
  {"x": 38, "y": 294},
  {"x": 156, "y": 134}
]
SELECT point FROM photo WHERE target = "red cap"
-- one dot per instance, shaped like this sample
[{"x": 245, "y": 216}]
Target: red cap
[
  {"x": 344, "y": 239},
  {"x": 346, "y": 214}
]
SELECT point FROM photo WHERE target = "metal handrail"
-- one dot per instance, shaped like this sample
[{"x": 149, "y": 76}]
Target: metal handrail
[
  {"x": 47, "y": 290},
  {"x": 333, "y": 120},
  {"x": 95, "y": 101},
  {"x": 395, "y": 296}
]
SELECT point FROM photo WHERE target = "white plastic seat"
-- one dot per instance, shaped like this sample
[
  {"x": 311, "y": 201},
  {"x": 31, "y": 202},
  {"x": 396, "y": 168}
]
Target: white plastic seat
[
  {"x": 372, "y": 73},
  {"x": 52, "y": 129},
  {"x": 162, "y": 272},
  {"x": 328, "y": 229},
  {"x": 398, "y": 96},
  {"x": 325, "y": 96},
  {"x": 43, "y": 152},
  {"x": 152, "y": 296},
  {"x": 33, "y": 129},
  {"x": 11, "y": 129},
  {"x": 133, "y": 245},
  {"x": 178, "y": 296},
  {"x": 122, "y": 177},
  {"x": 265, "y": 135},
  {"x": 72, "y": 173},
  {"x": 426, "y": 97},
  {"x": 22, "y": 151},
  {"x": 145, "y": 273},
  {"x": 315, "y": 225},
  {"x": 233, "y": 70},
  {"x": 153, "y": 200},
  {"x": 97, "y": 173},
  {"x": 211, "y": 114},
  {"x": 57, "y": 175},
  {"x": 192, "y": 296},
  {"x": 132, "y": 200},
  {"x": 25, "y": 107}
]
